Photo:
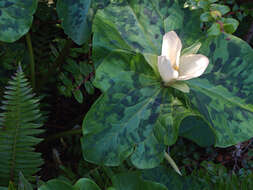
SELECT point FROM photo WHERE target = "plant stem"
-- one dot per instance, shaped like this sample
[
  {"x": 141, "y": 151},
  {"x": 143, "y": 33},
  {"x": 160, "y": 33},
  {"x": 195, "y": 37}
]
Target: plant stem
[
  {"x": 31, "y": 56},
  {"x": 63, "y": 134}
]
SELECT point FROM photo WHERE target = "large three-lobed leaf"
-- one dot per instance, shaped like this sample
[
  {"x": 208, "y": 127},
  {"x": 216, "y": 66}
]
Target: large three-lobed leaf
[
  {"x": 15, "y": 18},
  {"x": 136, "y": 115},
  {"x": 125, "y": 114}
]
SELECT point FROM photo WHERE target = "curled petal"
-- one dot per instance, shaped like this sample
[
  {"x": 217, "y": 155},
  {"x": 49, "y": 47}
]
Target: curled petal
[
  {"x": 165, "y": 69},
  {"x": 192, "y": 66},
  {"x": 171, "y": 47}
]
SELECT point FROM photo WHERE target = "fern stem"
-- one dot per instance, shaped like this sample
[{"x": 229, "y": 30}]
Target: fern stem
[
  {"x": 31, "y": 56},
  {"x": 63, "y": 134}
]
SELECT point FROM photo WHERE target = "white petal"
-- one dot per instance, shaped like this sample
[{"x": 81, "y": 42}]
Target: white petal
[
  {"x": 165, "y": 69},
  {"x": 192, "y": 66},
  {"x": 171, "y": 47}
]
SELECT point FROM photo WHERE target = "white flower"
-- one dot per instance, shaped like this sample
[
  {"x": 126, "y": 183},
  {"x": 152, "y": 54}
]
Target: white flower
[{"x": 172, "y": 67}]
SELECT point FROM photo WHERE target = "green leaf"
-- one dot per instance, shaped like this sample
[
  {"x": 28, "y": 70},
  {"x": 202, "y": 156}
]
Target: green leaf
[
  {"x": 224, "y": 94},
  {"x": 205, "y": 17},
  {"x": 197, "y": 130},
  {"x": 56, "y": 184},
  {"x": 85, "y": 183},
  {"x": 15, "y": 18},
  {"x": 180, "y": 85},
  {"x": 212, "y": 1},
  {"x": 23, "y": 183},
  {"x": 204, "y": 4},
  {"x": 76, "y": 19},
  {"x": 72, "y": 66},
  {"x": 214, "y": 30},
  {"x": 223, "y": 9},
  {"x": 230, "y": 25},
  {"x": 85, "y": 68},
  {"x": 193, "y": 49},
  {"x": 78, "y": 95},
  {"x": 133, "y": 181},
  {"x": 89, "y": 87}
]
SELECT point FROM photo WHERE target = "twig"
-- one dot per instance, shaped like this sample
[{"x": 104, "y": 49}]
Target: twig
[
  {"x": 68, "y": 133},
  {"x": 84, "y": 80}
]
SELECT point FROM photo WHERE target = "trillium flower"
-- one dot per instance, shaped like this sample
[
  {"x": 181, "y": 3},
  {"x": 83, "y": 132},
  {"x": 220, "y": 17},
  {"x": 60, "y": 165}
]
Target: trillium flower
[{"x": 172, "y": 67}]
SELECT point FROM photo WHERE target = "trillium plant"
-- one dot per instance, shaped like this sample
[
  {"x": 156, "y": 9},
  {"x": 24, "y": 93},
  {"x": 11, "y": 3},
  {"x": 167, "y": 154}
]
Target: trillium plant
[
  {"x": 153, "y": 91},
  {"x": 173, "y": 67}
]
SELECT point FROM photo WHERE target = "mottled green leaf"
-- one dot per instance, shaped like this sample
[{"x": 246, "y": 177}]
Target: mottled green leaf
[
  {"x": 134, "y": 103},
  {"x": 128, "y": 112},
  {"x": 224, "y": 94},
  {"x": 76, "y": 19},
  {"x": 148, "y": 154},
  {"x": 115, "y": 63},
  {"x": 133, "y": 100},
  {"x": 133, "y": 181},
  {"x": 15, "y": 18},
  {"x": 134, "y": 25}
]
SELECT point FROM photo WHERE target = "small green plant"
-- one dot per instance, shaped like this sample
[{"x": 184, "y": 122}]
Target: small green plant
[
  {"x": 213, "y": 16},
  {"x": 216, "y": 176},
  {"x": 77, "y": 74},
  {"x": 19, "y": 125}
]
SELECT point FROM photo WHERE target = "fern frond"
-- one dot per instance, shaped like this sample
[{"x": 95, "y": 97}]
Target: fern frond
[{"x": 19, "y": 123}]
